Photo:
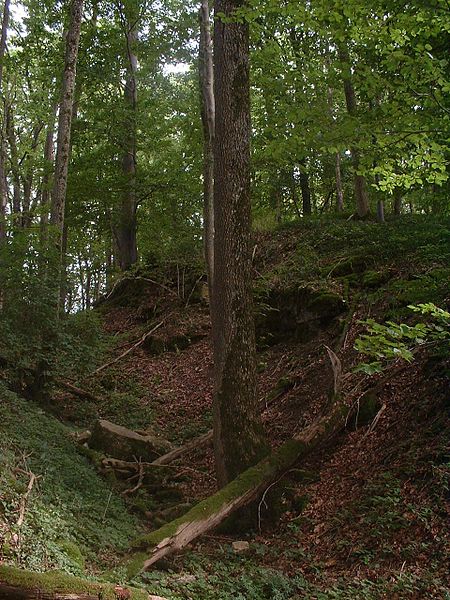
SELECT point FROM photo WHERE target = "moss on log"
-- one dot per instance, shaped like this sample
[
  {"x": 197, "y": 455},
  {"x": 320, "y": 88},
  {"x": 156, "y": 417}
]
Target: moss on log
[
  {"x": 240, "y": 492},
  {"x": 17, "y": 584}
]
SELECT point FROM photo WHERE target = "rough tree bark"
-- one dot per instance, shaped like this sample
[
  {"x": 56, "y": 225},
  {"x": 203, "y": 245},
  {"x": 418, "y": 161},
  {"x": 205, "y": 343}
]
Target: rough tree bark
[
  {"x": 238, "y": 438},
  {"x": 3, "y": 183},
  {"x": 49, "y": 157},
  {"x": 305, "y": 189},
  {"x": 15, "y": 170},
  {"x": 398, "y": 198},
  {"x": 339, "y": 191},
  {"x": 360, "y": 184},
  {"x": 65, "y": 119},
  {"x": 208, "y": 114},
  {"x": 127, "y": 225}
]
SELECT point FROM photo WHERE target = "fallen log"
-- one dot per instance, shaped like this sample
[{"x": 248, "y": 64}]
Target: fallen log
[
  {"x": 204, "y": 440},
  {"x": 243, "y": 490},
  {"x": 17, "y": 584},
  {"x": 176, "y": 453},
  {"x": 76, "y": 391},
  {"x": 116, "y": 360},
  {"x": 125, "y": 444}
]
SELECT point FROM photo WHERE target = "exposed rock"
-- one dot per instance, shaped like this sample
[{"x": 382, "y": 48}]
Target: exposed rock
[
  {"x": 120, "y": 442},
  {"x": 157, "y": 345},
  {"x": 185, "y": 578},
  {"x": 81, "y": 437},
  {"x": 297, "y": 313},
  {"x": 240, "y": 546}
]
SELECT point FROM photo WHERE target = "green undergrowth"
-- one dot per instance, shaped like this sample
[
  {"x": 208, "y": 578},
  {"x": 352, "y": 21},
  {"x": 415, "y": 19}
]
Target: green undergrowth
[
  {"x": 344, "y": 255},
  {"x": 231, "y": 577},
  {"x": 121, "y": 399},
  {"x": 72, "y": 518}
]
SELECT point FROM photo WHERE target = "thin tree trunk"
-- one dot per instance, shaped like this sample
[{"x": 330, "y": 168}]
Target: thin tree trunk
[
  {"x": 64, "y": 129},
  {"x": 238, "y": 438},
  {"x": 63, "y": 274},
  {"x": 49, "y": 157},
  {"x": 305, "y": 189},
  {"x": 207, "y": 103},
  {"x": 27, "y": 179},
  {"x": 339, "y": 191},
  {"x": 13, "y": 154},
  {"x": 126, "y": 234},
  {"x": 3, "y": 183},
  {"x": 398, "y": 201},
  {"x": 360, "y": 185}
]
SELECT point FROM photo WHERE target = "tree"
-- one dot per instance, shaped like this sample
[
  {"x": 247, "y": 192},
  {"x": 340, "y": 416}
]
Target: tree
[
  {"x": 360, "y": 184},
  {"x": 126, "y": 229},
  {"x": 3, "y": 132},
  {"x": 65, "y": 122},
  {"x": 207, "y": 103},
  {"x": 238, "y": 437}
]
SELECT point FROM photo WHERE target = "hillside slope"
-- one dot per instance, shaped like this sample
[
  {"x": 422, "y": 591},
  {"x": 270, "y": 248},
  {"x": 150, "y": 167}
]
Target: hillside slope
[{"x": 366, "y": 517}]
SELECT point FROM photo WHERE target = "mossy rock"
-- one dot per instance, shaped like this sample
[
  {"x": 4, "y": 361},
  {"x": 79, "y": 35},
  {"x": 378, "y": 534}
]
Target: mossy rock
[
  {"x": 375, "y": 279},
  {"x": 354, "y": 264},
  {"x": 296, "y": 314},
  {"x": 52, "y": 583},
  {"x": 326, "y": 305},
  {"x": 73, "y": 552},
  {"x": 369, "y": 405},
  {"x": 157, "y": 345}
]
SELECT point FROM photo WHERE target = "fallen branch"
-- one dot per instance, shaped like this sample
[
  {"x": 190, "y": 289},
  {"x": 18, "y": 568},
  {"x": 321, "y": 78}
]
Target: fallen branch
[
  {"x": 76, "y": 391},
  {"x": 139, "y": 483},
  {"x": 239, "y": 493},
  {"x": 17, "y": 584},
  {"x": 116, "y": 360},
  {"x": 203, "y": 440},
  {"x": 24, "y": 500}
]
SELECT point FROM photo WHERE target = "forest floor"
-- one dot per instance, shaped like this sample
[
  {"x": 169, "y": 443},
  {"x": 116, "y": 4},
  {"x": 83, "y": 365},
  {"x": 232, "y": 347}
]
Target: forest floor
[{"x": 366, "y": 516}]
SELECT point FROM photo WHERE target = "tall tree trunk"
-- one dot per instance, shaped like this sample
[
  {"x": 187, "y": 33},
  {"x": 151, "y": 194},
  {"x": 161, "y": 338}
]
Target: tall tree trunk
[
  {"x": 238, "y": 438},
  {"x": 360, "y": 185},
  {"x": 126, "y": 233},
  {"x": 49, "y": 157},
  {"x": 305, "y": 189},
  {"x": 65, "y": 122},
  {"x": 208, "y": 113},
  {"x": 3, "y": 183},
  {"x": 13, "y": 155},
  {"x": 337, "y": 164},
  {"x": 397, "y": 201},
  {"x": 380, "y": 202},
  {"x": 27, "y": 209},
  {"x": 339, "y": 190}
]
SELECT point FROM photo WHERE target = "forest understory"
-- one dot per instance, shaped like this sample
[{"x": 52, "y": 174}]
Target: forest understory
[{"x": 365, "y": 515}]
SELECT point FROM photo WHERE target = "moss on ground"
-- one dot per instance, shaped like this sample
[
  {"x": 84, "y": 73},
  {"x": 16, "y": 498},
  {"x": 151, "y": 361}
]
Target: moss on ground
[
  {"x": 57, "y": 582},
  {"x": 69, "y": 502}
]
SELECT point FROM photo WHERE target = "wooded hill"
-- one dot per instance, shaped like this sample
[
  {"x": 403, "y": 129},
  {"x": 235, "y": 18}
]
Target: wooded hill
[
  {"x": 369, "y": 505},
  {"x": 224, "y": 298}
]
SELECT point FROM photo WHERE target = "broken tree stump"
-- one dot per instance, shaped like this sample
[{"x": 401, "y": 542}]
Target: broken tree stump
[{"x": 125, "y": 444}]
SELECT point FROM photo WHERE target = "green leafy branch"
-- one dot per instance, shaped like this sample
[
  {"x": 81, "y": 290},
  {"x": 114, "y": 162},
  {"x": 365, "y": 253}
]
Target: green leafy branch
[{"x": 392, "y": 341}]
